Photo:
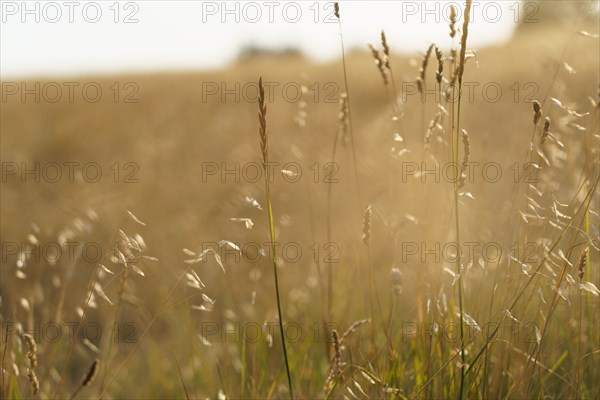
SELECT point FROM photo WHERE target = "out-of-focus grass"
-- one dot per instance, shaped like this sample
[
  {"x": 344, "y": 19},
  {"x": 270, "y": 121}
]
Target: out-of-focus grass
[{"x": 173, "y": 131}]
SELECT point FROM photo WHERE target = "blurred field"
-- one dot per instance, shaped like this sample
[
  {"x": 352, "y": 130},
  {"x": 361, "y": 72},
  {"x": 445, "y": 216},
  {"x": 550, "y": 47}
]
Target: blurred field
[{"x": 160, "y": 146}]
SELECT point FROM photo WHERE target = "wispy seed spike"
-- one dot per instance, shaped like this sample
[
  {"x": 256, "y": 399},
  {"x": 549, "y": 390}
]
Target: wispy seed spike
[
  {"x": 386, "y": 50},
  {"x": 423, "y": 70},
  {"x": 463, "y": 41},
  {"x": 262, "y": 121},
  {"x": 452, "y": 21},
  {"x": 546, "y": 131},
  {"x": 440, "y": 60},
  {"x": 582, "y": 262},
  {"x": 379, "y": 63}
]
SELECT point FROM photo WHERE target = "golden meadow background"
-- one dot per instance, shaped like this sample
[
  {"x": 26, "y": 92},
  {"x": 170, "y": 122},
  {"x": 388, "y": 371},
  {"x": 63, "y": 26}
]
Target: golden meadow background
[{"x": 160, "y": 144}]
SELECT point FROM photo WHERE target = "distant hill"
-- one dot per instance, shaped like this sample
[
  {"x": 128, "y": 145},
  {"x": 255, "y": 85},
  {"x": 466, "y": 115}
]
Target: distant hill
[{"x": 556, "y": 12}]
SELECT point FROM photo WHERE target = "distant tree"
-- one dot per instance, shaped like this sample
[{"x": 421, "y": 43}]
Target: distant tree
[
  {"x": 253, "y": 51},
  {"x": 533, "y": 13}
]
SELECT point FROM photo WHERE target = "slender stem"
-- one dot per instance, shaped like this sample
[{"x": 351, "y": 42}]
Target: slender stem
[
  {"x": 329, "y": 235},
  {"x": 352, "y": 142},
  {"x": 360, "y": 203},
  {"x": 460, "y": 71},
  {"x": 374, "y": 347},
  {"x": 360, "y": 207},
  {"x": 264, "y": 147},
  {"x": 423, "y": 195},
  {"x": 577, "y": 369},
  {"x": 274, "y": 257},
  {"x": 457, "y": 227}
]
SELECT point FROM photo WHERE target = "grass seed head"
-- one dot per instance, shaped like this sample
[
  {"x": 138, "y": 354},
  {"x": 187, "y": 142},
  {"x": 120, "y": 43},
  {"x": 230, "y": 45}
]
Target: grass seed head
[
  {"x": 452, "y": 21},
  {"x": 423, "y": 70},
  {"x": 91, "y": 374},
  {"x": 440, "y": 60},
  {"x": 352, "y": 328},
  {"x": 344, "y": 118},
  {"x": 386, "y": 50},
  {"x": 366, "y": 237},
  {"x": 32, "y": 353},
  {"x": 582, "y": 262},
  {"x": 33, "y": 382},
  {"x": 337, "y": 349},
  {"x": 335, "y": 368},
  {"x": 379, "y": 63},
  {"x": 463, "y": 41},
  {"x": 262, "y": 121},
  {"x": 430, "y": 128},
  {"x": 546, "y": 130},
  {"x": 32, "y": 357},
  {"x": 537, "y": 112}
]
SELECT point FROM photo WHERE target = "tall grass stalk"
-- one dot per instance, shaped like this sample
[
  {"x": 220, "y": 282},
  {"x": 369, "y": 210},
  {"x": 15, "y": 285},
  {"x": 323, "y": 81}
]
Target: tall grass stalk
[
  {"x": 372, "y": 293},
  {"x": 339, "y": 135},
  {"x": 588, "y": 166},
  {"x": 358, "y": 189},
  {"x": 455, "y": 137},
  {"x": 352, "y": 144},
  {"x": 580, "y": 300},
  {"x": 424, "y": 193},
  {"x": 264, "y": 144}
]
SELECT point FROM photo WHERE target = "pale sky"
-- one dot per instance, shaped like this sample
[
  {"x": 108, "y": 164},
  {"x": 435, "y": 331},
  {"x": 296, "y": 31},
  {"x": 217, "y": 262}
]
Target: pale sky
[{"x": 63, "y": 38}]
